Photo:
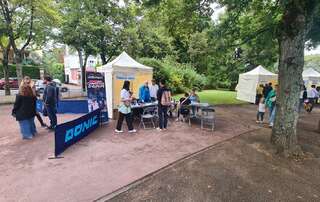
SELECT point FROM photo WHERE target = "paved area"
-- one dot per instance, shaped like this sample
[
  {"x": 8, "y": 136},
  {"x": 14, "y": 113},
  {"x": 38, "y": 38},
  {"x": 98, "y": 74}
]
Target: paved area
[
  {"x": 242, "y": 169},
  {"x": 102, "y": 162}
]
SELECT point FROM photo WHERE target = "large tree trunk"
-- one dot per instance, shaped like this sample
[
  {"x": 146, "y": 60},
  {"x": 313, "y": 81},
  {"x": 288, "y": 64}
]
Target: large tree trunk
[
  {"x": 291, "y": 61},
  {"x": 5, "y": 63}
]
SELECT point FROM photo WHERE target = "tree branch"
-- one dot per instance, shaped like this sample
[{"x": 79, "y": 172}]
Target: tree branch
[
  {"x": 251, "y": 37},
  {"x": 30, "y": 28}
]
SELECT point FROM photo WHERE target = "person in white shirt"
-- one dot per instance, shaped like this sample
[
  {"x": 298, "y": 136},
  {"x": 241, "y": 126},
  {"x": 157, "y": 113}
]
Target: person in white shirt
[
  {"x": 313, "y": 95},
  {"x": 153, "y": 88},
  {"x": 261, "y": 111},
  {"x": 125, "y": 109}
]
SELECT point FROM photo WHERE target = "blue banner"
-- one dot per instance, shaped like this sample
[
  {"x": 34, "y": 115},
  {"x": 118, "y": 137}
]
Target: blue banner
[
  {"x": 97, "y": 94},
  {"x": 67, "y": 134}
]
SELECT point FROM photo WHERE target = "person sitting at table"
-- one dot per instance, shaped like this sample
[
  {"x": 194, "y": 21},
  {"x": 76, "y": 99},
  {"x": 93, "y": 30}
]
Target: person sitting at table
[
  {"x": 194, "y": 98},
  {"x": 144, "y": 93},
  {"x": 184, "y": 101}
]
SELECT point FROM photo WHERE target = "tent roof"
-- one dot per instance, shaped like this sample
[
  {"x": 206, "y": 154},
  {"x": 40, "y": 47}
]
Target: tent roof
[
  {"x": 310, "y": 72},
  {"x": 124, "y": 60},
  {"x": 259, "y": 71}
]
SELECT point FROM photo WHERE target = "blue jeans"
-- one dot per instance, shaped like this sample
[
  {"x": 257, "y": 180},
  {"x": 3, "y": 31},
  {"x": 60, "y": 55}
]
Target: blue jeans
[
  {"x": 52, "y": 114},
  {"x": 27, "y": 128},
  {"x": 272, "y": 115},
  {"x": 163, "y": 116}
]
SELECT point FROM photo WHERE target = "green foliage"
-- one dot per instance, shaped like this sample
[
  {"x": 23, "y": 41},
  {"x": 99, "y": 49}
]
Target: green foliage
[
  {"x": 179, "y": 77},
  {"x": 56, "y": 70},
  {"x": 27, "y": 70},
  {"x": 52, "y": 64}
]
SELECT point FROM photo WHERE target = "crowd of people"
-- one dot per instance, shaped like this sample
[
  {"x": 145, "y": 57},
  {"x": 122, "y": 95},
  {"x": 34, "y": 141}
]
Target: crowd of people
[
  {"x": 152, "y": 93},
  {"x": 266, "y": 98},
  {"x": 24, "y": 109}
]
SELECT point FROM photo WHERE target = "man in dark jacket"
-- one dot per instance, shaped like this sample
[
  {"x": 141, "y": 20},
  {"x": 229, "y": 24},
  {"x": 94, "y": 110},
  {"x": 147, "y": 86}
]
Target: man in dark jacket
[
  {"x": 50, "y": 100},
  {"x": 163, "y": 107}
]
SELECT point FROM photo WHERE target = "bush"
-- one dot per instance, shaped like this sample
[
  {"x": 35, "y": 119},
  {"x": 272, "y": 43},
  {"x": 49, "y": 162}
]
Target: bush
[
  {"x": 27, "y": 70},
  {"x": 180, "y": 77}
]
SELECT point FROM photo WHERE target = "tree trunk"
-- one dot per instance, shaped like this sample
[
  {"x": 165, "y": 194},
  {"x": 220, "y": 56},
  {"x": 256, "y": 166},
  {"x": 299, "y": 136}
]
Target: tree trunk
[
  {"x": 82, "y": 71},
  {"x": 291, "y": 61},
  {"x": 103, "y": 58},
  {"x": 5, "y": 63},
  {"x": 18, "y": 60}
]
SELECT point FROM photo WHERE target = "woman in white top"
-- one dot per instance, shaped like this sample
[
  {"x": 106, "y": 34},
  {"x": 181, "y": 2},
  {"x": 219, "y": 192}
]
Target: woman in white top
[{"x": 125, "y": 109}]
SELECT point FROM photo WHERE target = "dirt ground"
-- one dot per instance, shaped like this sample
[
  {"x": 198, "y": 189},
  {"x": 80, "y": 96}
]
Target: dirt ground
[
  {"x": 102, "y": 162},
  {"x": 244, "y": 168}
]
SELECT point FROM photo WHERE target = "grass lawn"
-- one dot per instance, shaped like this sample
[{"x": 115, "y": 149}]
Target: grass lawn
[{"x": 216, "y": 97}]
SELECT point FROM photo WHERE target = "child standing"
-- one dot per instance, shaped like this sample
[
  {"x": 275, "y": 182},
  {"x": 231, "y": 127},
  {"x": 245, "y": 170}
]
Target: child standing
[{"x": 261, "y": 111}]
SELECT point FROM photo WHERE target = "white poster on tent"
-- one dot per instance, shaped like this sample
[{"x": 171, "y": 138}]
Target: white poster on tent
[{"x": 125, "y": 77}]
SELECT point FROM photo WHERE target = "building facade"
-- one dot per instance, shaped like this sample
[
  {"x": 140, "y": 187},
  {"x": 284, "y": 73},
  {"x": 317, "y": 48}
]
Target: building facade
[{"x": 72, "y": 66}]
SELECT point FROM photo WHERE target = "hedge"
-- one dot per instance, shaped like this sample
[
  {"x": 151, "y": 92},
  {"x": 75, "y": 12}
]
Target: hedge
[{"x": 27, "y": 70}]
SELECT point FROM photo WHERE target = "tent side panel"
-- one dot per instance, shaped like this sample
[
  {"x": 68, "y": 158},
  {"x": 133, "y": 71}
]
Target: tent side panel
[
  {"x": 108, "y": 79},
  {"x": 136, "y": 80},
  {"x": 246, "y": 90}
]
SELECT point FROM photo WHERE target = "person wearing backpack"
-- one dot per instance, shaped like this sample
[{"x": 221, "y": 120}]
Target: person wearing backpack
[{"x": 164, "y": 102}]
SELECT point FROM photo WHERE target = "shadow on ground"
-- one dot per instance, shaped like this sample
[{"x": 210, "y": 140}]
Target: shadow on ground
[{"x": 242, "y": 169}]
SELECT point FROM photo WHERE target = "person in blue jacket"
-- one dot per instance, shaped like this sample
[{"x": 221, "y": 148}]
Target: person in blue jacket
[{"x": 144, "y": 93}]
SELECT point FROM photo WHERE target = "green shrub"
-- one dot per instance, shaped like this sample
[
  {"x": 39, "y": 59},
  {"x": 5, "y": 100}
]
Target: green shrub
[
  {"x": 180, "y": 77},
  {"x": 27, "y": 70}
]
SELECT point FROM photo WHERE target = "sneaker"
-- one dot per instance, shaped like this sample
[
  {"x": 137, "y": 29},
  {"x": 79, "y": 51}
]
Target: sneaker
[
  {"x": 118, "y": 131},
  {"x": 159, "y": 129},
  {"x": 270, "y": 125},
  {"x": 27, "y": 138},
  {"x": 257, "y": 121},
  {"x": 132, "y": 131}
]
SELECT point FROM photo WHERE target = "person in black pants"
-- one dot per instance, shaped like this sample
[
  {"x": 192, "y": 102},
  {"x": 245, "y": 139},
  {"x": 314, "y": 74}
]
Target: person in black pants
[
  {"x": 164, "y": 101},
  {"x": 50, "y": 99},
  {"x": 125, "y": 109}
]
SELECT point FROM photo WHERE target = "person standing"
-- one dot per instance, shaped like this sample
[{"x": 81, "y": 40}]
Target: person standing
[
  {"x": 303, "y": 97},
  {"x": 271, "y": 104},
  {"x": 261, "y": 110},
  {"x": 24, "y": 111},
  {"x": 144, "y": 93},
  {"x": 313, "y": 96},
  {"x": 50, "y": 100},
  {"x": 265, "y": 90},
  {"x": 27, "y": 81},
  {"x": 125, "y": 109},
  {"x": 164, "y": 102},
  {"x": 259, "y": 93},
  {"x": 153, "y": 90}
]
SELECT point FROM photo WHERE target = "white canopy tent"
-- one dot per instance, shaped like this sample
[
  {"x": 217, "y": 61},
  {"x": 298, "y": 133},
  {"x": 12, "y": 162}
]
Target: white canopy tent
[
  {"x": 249, "y": 81},
  {"x": 310, "y": 77},
  {"x": 117, "y": 71}
]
